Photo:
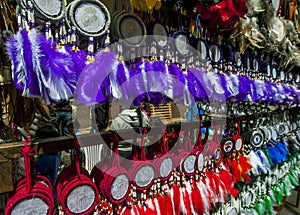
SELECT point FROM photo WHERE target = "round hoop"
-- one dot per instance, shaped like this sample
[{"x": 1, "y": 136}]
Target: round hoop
[{"x": 90, "y": 17}]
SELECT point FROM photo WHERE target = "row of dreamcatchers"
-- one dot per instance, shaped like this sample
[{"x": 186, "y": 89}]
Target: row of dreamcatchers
[{"x": 184, "y": 153}]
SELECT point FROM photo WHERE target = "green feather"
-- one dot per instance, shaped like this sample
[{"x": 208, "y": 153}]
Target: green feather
[
  {"x": 268, "y": 204},
  {"x": 292, "y": 180},
  {"x": 278, "y": 195}
]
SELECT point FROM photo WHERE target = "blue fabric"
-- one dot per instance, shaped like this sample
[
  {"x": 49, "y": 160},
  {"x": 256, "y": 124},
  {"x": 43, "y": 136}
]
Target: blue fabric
[
  {"x": 48, "y": 166},
  {"x": 64, "y": 117}
]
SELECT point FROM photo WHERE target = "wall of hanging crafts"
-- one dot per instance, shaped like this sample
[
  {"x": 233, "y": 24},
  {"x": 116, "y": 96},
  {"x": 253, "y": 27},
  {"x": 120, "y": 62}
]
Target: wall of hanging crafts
[
  {"x": 76, "y": 191},
  {"x": 33, "y": 193}
]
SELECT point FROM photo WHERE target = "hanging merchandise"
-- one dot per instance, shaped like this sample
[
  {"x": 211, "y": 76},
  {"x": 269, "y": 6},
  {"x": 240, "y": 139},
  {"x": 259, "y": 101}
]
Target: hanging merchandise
[
  {"x": 129, "y": 28},
  {"x": 162, "y": 160},
  {"x": 112, "y": 180},
  {"x": 33, "y": 193},
  {"x": 76, "y": 192},
  {"x": 225, "y": 14},
  {"x": 91, "y": 18},
  {"x": 44, "y": 11},
  {"x": 42, "y": 67},
  {"x": 140, "y": 170},
  {"x": 160, "y": 33},
  {"x": 181, "y": 42}
]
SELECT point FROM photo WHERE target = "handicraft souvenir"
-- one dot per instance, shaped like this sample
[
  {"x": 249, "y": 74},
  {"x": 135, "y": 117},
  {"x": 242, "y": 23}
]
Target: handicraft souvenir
[
  {"x": 76, "y": 192},
  {"x": 112, "y": 180},
  {"x": 46, "y": 10},
  {"x": 33, "y": 193},
  {"x": 91, "y": 18},
  {"x": 129, "y": 28}
]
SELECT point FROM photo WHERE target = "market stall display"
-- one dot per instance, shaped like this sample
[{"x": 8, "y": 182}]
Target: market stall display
[
  {"x": 33, "y": 193},
  {"x": 237, "y": 60}
]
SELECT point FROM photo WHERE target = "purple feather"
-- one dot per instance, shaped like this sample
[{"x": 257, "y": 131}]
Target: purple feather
[
  {"x": 203, "y": 82},
  {"x": 225, "y": 83},
  {"x": 14, "y": 56},
  {"x": 121, "y": 76},
  {"x": 244, "y": 89},
  {"x": 191, "y": 83},
  {"x": 179, "y": 81},
  {"x": 88, "y": 87},
  {"x": 79, "y": 59},
  {"x": 32, "y": 83},
  {"x": 195, "y": 85},
  {"x": 176, "y": 72}
]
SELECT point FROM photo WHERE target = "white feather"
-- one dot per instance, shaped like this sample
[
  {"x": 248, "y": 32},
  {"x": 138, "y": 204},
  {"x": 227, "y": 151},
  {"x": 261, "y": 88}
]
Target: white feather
[
  {"x": 182, "y": 205},
  {"x": 157, "y": 206},
  {"x": 189, "y": 191},
  {"x": 204, "y": 195}
]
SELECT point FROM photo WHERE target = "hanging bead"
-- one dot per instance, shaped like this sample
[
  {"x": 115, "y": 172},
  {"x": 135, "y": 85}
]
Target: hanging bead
[
  {"x": 90, "y": 55},
  {"x": 19, "y": 18},
  {"x": 24, "y": 21},
  {"x": 30, "y": 14},
  {"x": 73, "y": 39},
  {"x": 107, "y": 42},
  {"x": 62, "y": 32}
]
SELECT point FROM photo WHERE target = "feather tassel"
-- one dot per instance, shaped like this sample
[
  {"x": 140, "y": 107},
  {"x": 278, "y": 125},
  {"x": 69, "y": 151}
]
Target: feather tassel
[
  {"x": 245, "y": 166},
  {"x": 206, "y": 199},
  {"x": 176, "y": 199},
  {"x": 88, "y": 87},
  {"x": 197, "y": 199},
  {"x": 226, "y": 178}
]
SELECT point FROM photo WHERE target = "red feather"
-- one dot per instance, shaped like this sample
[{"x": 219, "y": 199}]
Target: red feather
[
  {"x": 209, "y": 193},
  {"x": 187, "y": 202},
  {"x": 197, "y": 199},
  {"x": 127, "y": 212},
  {"x": 217, "y": 183},
  {"x": 149, "y": 211},
  {"x": 210, "y": 179},
  {"x": 168, "y": 205},
  {"x": 141, "y": 209},
  {"x": 228, "y": 182},
  {"x": 235, "y": 171},
  {"x": 135, "y": 210},
  {"x": 161, "y": 204},
  {"x": 245, "y": 164},
  {"x": 176, "y": 199},
  {"x": 245, "y": 167}
]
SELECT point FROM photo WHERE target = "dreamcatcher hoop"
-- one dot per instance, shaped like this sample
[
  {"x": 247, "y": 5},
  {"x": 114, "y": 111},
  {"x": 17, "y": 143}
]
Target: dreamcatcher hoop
[
  {"x": 90, "y": 17},
  {"x": 47, "y": 10}
]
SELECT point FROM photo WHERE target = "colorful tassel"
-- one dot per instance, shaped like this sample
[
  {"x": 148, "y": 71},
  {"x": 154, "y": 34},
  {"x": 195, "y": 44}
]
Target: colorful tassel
[{"x": 226, "y": 178}]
